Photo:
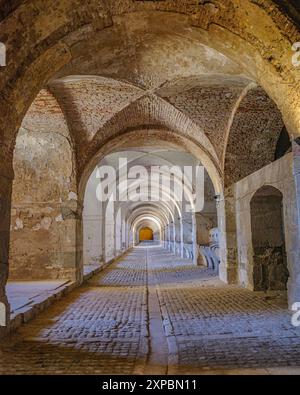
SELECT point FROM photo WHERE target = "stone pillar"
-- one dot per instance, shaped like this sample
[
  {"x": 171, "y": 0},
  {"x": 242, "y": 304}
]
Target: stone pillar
[
  {"x": 131, "y": 238},
  {"x": 228, "y": 240},
  {"x": 178, "y": 237},
  {"x": 187, "y": 224},
  {"x": 165, "y": 236},
  {"x": 93, "y": 217},
  {"x": 294, "y": 278},
  {"x": 118, "y": 232},
  {"x": 109, "y": 234},
  {"x": 92, "y": 241},
  {"x": 173, "y": 238},
  {"x": 72, "y": 241},
  {"x": 123, "y": 234},
  {"x": 129, "y": 242},
  {"x": 181, "y": 237},
  {"x": 202, "y": 236},
  {"x": 102, "y": 232},
  {"x": 6, "y": 178},
  {"x": 194, "y": 239}
]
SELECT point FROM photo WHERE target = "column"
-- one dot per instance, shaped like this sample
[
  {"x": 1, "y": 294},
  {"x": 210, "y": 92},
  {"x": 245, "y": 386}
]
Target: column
[
  {"x": 294, "y": 269},
  {"x": 6, "y": 178},
  {"x": 228, "y": 240}
]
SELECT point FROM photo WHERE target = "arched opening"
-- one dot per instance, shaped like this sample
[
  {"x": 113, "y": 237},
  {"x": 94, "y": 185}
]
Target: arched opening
[
  {"x": 147, "y": 218},
  {"x": 213, "y": 80},
  {"x": 284, "y": 144},
  {"x": 42, "y": 250},
  {"x": 166, "y": 208},
  {"x": 146, "y": 234},
  {"x": 270, "y": 271}
]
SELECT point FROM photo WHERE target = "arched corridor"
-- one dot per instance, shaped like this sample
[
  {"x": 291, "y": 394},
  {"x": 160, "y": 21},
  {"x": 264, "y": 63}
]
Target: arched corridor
[
  {"x": 151, "y": 313},
  {"x": 149, "y": 186}
]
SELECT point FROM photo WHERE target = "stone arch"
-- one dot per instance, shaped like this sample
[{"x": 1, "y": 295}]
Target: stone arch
[
  {"x": 156, "y": 136},
  {"x": 53, "y": 47},
  {"x": 134, "y": 137},
  {"x": 111, "y": 233},
  {"x": 43, "y": 225},
  {"x": 162, "y": 208},
  {"x": 38, "y": 54},
  {"x": 54, "y": 51},
  {"x": 150, "y": 222},
  {"x": 253, "y": 136},
  {"x": 252, "y": 139}
]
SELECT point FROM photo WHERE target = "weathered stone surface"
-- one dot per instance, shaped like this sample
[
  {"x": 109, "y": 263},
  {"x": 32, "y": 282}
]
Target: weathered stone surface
[
  {"x": 278, "y": 175},
  {"x": 213, "y": 80},
  {"x": 111, "y": 325},
  {"x": 45, "y": 175}
]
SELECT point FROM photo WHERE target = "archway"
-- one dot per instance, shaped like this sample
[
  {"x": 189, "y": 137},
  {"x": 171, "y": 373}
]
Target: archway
[
  {"x": 172, "y": 215},
  {"x": 261, "y": 55},
  {"x": 42, "y": 251},
  {"x": 146, "y": 234},
  {"x": 42, "y": 195},
  {"x": 269, "y": 251}
]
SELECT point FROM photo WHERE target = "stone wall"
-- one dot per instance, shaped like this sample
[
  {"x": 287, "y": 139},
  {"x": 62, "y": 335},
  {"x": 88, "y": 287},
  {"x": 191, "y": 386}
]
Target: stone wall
[
  {"x": 279, "y": 175},
  {"x": 44, "y": 208},
  {"x": 268, "y": 240}
]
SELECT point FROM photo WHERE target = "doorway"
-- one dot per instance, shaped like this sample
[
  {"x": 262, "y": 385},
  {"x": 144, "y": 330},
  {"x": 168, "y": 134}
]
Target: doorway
[{"x": 270, "y": 270}]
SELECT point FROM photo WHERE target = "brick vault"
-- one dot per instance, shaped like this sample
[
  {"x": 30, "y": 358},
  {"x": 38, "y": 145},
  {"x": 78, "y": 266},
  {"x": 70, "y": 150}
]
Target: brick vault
[{"x": 143, "y": 284}]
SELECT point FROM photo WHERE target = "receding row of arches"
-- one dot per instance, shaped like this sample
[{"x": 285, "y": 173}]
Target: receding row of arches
[
  {"x": 98, "y": 85},
  {"x": 55, "y": 237},
  {"x": 111, "y": 228}
]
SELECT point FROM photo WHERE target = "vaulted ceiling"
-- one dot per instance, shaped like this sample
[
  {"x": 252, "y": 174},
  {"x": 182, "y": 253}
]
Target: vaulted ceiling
[{"x": 137, "y": 65}]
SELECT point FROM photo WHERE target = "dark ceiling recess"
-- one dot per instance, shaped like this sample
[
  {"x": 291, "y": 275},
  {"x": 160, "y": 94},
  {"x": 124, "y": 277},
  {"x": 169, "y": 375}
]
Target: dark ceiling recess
[
  {"x": 284, "y": 144},
  {"x": 290, "y": 8},
  {"x": 7, "y": 7}
]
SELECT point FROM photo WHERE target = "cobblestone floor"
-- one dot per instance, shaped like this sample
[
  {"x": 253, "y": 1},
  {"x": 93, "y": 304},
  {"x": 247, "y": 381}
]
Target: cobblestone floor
[{"x": 206, "y": 326}]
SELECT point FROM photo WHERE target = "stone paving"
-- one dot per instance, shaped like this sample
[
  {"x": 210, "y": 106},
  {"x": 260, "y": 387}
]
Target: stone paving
[
  {"x": 23, "y": 293},
  {"x": 223, "y": 329},
  {"x": 152, "y": 302}
]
